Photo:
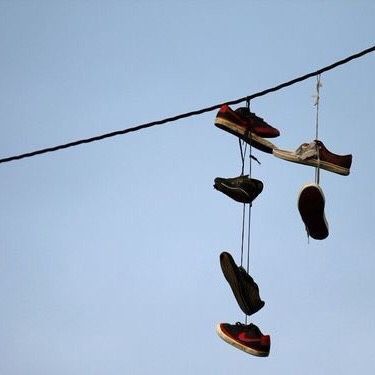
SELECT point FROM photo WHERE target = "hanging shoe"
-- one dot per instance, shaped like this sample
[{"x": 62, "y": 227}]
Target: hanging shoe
[
  {"x": 248, "y": 338},
  {"x": 311, "y": 204},
  {"x": 317, "y": 155},
  {"x": 242, "y": 188},
  {"x": 244, "y": 288},
  {"x": 247, "y": 126}
]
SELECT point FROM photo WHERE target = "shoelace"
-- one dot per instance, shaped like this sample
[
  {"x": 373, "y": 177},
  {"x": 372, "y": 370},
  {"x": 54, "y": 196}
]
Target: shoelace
[
  {"x": 251, "y": 325},
  {"x": 243, "y": 111},
  {"x": 306, "y": 150},
  {"x": 251, "y": 329},
  {"x": 240, "y": 324}
]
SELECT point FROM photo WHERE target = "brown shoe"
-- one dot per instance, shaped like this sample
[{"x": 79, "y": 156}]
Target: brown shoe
[
  {"x": 311, "y": 204},
  {"x": 247, "y": 126},
  {"x": 316, "y": 154}
]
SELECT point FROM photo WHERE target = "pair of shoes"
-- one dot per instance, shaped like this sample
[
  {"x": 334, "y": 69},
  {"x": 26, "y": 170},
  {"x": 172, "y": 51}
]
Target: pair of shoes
[
  {"x": 311, "y": 204},
  {"x": 317, "y": 155},
  {"x": 244, "y": 288},
  {"x": 311, "y": 199},
  {"x": 247, "y": 126},
  {"x": 252, "y": 129},
  {"x": 248, "y": 338},
  {"x": 242, "y": 188}
]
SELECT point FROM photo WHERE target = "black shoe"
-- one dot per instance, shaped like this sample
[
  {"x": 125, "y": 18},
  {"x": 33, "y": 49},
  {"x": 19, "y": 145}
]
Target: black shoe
[
  {"x": 311, "y": 204},
  {"x": 243, "y": 286},
  {"x": 242, "y": 188}
]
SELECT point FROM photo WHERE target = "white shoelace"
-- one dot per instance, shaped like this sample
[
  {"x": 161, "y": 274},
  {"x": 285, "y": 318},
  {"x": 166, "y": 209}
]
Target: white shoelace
[{"x": 306, "y": 150}]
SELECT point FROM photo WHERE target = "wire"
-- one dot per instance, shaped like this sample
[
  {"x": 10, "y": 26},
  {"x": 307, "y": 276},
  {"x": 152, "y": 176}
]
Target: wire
[
  {"x": 188, "y": 114},
  {"x": 317, "y": 169}
]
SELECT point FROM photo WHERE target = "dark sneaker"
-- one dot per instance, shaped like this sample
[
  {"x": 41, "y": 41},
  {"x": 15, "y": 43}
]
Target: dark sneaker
[
  {"x": 247, "y": 126},
  {"x": 311, "y": 204},
  {"x": 242, "y": 188},
  {"x": 248, "y": 338},
  {"x": 244, "y": 288},
  {"x": 317, "y": 155}
]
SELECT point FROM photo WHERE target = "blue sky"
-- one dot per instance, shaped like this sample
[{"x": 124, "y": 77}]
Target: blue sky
[{"x": 109, "y": 257}]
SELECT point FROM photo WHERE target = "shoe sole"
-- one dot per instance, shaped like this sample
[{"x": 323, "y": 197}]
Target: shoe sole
[
  {"x": 238, "y": 345},
  {"x": 246, "y": 135},
  {"x": 232, "y": 275},
  {"x": 287, "y": 155},
  {"x": 311, "y": 204}
]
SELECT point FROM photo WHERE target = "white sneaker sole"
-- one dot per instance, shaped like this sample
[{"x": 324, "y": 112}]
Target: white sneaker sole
[
  {"x": 290, "y": 156},
  {"x": 246, "y": 135}
]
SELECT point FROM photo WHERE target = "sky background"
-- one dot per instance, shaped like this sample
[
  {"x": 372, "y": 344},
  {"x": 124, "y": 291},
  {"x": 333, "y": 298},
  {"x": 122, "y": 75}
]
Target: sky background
[{"x": 109, "y": 252}]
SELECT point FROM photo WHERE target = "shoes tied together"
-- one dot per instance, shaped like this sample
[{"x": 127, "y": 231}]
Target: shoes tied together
[{"x": 311, "y": 203}]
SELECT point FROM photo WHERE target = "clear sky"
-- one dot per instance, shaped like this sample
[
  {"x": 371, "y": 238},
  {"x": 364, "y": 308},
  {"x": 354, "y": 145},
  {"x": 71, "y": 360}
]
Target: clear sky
[{"x": 109, "y": 252}]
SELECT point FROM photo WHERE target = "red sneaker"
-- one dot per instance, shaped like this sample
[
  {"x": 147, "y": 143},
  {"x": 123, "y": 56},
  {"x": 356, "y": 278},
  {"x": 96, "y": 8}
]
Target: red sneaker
[
  {"x": 248, "y": 338},
  {"x": 247, "y": 126}
]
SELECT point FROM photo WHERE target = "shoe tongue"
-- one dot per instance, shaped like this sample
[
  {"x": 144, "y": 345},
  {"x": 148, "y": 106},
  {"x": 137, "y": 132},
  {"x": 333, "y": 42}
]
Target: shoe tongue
[
  {"x": 254, "y": 329},
  {"x": 243, "y": 111},
  {"x": 306, "y": 150}
]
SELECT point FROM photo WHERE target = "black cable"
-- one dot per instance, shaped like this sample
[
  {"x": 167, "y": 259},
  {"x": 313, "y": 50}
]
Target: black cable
[{"x": 188, "y": 114}]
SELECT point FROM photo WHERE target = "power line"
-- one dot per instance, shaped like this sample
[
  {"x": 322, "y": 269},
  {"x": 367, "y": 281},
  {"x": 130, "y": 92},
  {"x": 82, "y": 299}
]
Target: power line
[{"x": 188, "y": 114}]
